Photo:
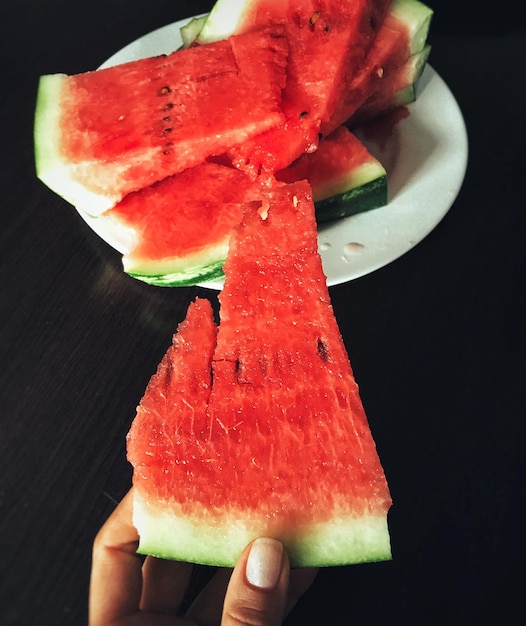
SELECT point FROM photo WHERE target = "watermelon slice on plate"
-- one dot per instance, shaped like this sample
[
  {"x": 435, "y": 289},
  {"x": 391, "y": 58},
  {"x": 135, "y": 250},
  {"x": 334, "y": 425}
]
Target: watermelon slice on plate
[
  {"x": 100, "y": 135},
  {"x": 176, "y": 232},
  {"x": 260, "y": 430},
  {"x": 424, "y": 149},
  {"x": 327, "y": 41}
]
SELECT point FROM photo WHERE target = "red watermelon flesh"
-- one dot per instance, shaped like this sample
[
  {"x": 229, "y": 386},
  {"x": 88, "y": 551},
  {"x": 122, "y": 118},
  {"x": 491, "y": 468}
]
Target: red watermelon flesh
[
  {"x": 102, "y": 134},
  {"x": 184, "y": 377},
  {"x": 283, "y": 447}
]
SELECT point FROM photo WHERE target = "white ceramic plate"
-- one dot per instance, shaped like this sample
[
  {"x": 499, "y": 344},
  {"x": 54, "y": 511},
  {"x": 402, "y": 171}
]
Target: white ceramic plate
[{"x": 425, "y": 159}]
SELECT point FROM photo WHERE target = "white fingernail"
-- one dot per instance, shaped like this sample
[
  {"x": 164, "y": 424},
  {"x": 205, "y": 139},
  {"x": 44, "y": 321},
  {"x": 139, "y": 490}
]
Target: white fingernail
[{"x": 264, "y": 563}]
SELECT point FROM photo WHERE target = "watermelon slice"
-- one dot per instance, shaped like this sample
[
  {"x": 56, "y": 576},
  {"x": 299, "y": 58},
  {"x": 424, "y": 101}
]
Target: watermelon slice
[
  {"x": 260, "y": 430},
  {"x": 398, "y": 88},
  {"x": 402, "y": 34},
  {"x": 103, "y": 134},
  {"x": 345, "y": 177},
  {"x": 327, "y": 40},
  {"x": 176, "y": 232}
]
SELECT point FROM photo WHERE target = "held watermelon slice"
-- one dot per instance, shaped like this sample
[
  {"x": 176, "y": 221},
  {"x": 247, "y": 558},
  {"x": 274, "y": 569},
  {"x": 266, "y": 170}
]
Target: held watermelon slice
[
  {"x": 176, "y": 232},
  {"x": 260, "y": 430},
  {"x": 106, "y": 133}
]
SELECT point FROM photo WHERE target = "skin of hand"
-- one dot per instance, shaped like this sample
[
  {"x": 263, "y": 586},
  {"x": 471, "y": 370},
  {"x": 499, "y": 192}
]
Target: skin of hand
[{"x": 126, "y": 590}]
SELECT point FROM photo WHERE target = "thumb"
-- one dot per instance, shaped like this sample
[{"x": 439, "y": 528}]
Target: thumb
[{"x": 257, "y": 590}]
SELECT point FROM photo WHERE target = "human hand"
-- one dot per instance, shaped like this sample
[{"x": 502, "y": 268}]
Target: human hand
[{"x": 125, "y": 591}]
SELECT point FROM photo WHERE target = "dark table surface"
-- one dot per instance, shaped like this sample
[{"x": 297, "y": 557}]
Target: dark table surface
[{"x": 436, "y": 341}]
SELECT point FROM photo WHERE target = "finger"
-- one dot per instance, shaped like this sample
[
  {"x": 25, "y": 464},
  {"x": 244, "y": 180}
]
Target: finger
[
  {"x": 116, "y": 578},
  {"x": 164, "y": 585},
  {"x": 258, "y": 587},
  {"x": 207, "y": 607},
  {"x": 299, "y": 582}
]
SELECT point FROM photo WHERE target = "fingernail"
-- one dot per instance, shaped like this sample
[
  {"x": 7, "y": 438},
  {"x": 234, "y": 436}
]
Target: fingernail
[{"x": 264, "y": 563}]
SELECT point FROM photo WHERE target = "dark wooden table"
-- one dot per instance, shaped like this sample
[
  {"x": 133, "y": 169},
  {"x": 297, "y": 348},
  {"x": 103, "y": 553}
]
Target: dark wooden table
[{"x": 436, "y": 340}]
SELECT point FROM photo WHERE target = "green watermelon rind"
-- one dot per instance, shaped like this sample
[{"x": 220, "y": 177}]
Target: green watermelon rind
[
  {"x": 223, "y": 20},
  {"x": 417, "y": 17},
  {"x": 196, "y": 267},
  {"x": 367, "y": 196},
  {"x": 191, "y": 30},
  {"x": 415, "y": 65},
  {"x": 342, "y": 540},
  {"x": 183, "y": 278}
]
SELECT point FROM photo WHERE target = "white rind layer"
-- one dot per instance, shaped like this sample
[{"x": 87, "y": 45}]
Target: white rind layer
[
  {"x": 198, "y": 539},
  {"x": 52, "y": 168}
]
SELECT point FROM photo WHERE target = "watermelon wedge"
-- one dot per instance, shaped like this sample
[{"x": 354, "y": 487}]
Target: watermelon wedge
[
  {"x": 398, "y": 88},
  {"x": 260, "y": 430},
  {"x": 327, "y": 41},
  {"x": 403, "y": 34},
  {"x": 176, "y": 232},
  {"x": 100, "y": 135},
  {"x": 345, "y": 177}
]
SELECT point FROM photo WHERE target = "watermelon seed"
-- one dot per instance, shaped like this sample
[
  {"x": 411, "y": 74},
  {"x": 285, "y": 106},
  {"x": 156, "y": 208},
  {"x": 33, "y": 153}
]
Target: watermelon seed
[
  {"x": 167, "y": 130},
  {"x": 323, "y": 350},
  {"x": 168, "y": 118},
  {"x": 168, "y": 106},
  {"x": 164, "y": 90},
  {"x": 314, "y": 18},
  {"x": 303, "y": 114},
  {"x": 373, "y": 22}
]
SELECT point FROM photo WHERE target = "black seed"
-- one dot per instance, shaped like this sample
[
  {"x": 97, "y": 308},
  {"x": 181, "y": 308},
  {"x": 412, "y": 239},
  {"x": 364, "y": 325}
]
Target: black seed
[
  {"x": 168, "y": 106},
  {"x": 303, "y": 114},
  {"x": 323, "y": 350},
  {"x": 164, "y": 90},
  {"x": 168, "y": 118},
  {"x": 167, "y": 130}
]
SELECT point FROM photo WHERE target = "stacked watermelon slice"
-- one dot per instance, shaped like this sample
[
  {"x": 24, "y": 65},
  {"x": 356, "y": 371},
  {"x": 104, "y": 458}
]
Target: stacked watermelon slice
[{"x": 166, "y": 152}]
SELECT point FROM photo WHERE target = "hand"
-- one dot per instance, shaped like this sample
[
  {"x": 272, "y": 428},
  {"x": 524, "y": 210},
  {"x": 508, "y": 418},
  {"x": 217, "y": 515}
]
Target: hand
[{"x": 124, "y": 591}]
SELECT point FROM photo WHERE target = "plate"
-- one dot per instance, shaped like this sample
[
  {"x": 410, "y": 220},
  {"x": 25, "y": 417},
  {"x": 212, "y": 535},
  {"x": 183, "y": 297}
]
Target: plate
[{"x": 425, "y": 158}]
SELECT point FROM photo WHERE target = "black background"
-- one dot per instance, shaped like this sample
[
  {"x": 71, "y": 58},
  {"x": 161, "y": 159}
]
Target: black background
[{"x": 436, "y": 341}]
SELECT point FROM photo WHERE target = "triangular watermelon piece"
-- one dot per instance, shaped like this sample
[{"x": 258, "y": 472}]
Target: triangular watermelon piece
[
  {"x": 267, "y": 435},
  {"x": 100, "y": 135},
  {"x": 328, "y": 40}
]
